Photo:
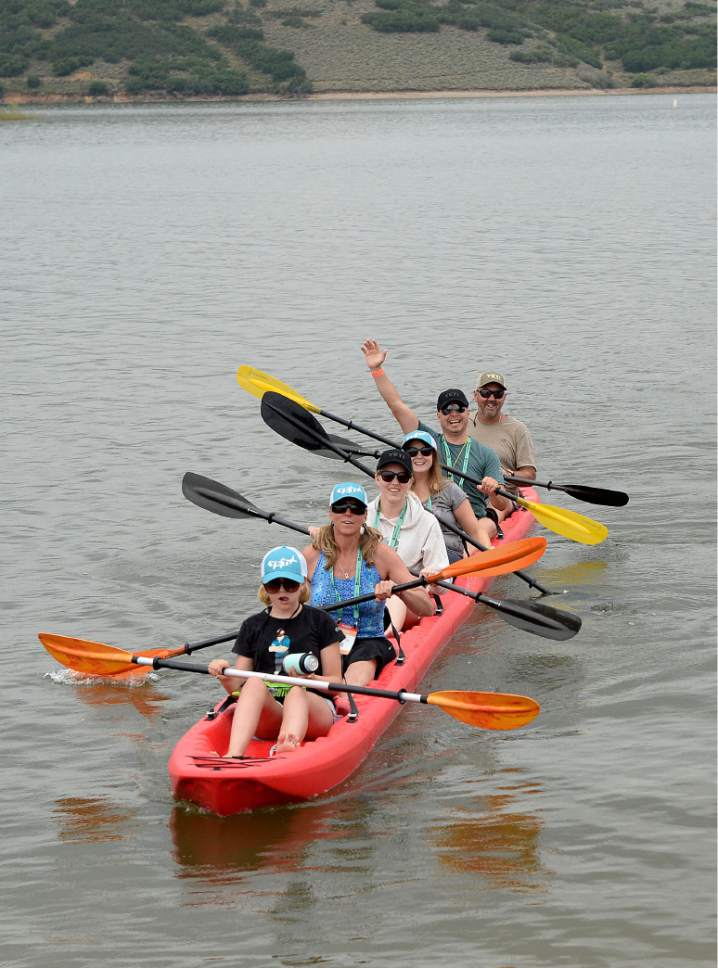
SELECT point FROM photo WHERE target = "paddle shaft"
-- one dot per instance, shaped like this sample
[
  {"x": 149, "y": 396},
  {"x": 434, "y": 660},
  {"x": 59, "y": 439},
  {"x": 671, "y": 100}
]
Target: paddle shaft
[
  {"x": 477, "y": 596},
  {"x": 269, "y": 516},
  {"x": 370, "y": 597},
  {"x": 321, "y": 684},
  {"x": 350, "y": 425},
  {"x": 190, "y": 647},
  {"x": 531, "y": 582},
  {"x": 582, "y": 492}
]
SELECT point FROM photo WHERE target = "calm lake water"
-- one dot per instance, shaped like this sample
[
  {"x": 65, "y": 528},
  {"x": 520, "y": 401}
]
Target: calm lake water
[{"x": 146, "y": 253}]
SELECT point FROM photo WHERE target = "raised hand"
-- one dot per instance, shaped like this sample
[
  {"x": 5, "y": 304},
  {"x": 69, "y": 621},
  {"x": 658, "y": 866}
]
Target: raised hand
[{"x": 373, "y": 354}]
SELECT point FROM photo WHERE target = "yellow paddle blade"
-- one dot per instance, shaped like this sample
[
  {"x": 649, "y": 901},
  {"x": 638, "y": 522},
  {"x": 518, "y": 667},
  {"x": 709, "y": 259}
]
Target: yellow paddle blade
[
  {"x": 95, "y": 658},
  {"x": 570, "y": 524},
  {"x": 507, "y": 557},
  {"x": 258, "y": 383},
  {"x": 489, "y": 710}
]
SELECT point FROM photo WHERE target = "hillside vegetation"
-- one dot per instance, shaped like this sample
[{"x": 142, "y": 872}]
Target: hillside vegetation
[{"x": 181, "y": 48}]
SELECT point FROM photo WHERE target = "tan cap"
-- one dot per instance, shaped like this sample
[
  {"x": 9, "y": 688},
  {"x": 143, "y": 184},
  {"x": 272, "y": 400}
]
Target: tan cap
[{"x": 485, "y": 378}]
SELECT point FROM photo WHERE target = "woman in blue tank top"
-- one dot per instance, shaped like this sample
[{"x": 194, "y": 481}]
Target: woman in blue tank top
[{"x": 348, "y": 559}]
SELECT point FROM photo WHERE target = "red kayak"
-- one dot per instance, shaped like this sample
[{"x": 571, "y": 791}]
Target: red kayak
[{"x": 227, "y": 786}]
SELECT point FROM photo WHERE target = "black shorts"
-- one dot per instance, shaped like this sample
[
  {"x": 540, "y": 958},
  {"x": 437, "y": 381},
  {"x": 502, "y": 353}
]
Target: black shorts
[
  {"x": 491, "y": 513},
  {"x": 364, "y": 650}
]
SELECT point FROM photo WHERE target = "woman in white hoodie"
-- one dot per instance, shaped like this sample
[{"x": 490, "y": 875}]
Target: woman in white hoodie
[{"x": 406, "y": 526}]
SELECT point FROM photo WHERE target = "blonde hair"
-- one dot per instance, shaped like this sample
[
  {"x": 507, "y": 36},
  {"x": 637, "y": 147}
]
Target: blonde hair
[
  {"x": 325, "y": 542},
  {"x": 304, "y": 595},
  {"x": 436, "y": 480}
]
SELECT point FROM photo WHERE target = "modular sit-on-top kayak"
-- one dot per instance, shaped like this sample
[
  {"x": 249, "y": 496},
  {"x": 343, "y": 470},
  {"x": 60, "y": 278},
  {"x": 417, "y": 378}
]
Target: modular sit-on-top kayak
[{"x": 226, "y": 786}]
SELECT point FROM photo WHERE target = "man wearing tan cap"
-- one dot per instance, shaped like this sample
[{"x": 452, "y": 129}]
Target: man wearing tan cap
[{"x": 509, "y": 437}]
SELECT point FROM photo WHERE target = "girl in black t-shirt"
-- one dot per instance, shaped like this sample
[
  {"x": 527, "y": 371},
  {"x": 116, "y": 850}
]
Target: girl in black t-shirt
[{"x": 286, "y": 626}]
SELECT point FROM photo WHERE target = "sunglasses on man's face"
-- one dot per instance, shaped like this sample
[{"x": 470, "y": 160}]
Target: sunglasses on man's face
[
  {"x": 277, "y": 584},
  {"x": 453, "y": 408},
  {"x": 401, "y": 476},
  {"x": 345, "y": 506},
  {"x": 497, "y": 394},
  {"x": 415, "y": 451}
]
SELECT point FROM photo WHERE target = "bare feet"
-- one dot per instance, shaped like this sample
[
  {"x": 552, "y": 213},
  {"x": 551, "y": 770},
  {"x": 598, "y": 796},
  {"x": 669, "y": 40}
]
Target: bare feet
[{"x": 285, "y": 744}]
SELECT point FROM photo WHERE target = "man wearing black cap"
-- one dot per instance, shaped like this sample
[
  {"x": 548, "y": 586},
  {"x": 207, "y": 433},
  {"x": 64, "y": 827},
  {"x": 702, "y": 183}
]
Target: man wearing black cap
[{"x": 456, "y": 446}]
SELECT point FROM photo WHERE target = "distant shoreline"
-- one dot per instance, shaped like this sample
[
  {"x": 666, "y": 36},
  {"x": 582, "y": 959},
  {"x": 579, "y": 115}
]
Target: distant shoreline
[
  {"x": 13, "y": 99},
  {"x": 539, "y": 92}
]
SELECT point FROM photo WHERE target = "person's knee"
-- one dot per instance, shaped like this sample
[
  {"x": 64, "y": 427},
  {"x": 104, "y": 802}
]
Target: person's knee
[
  {"x": 295, "y": 697},
  {"x": 487, "y": 528},
  {"x": 361, "y": 673},
  {"x": 254, "y": 688}
]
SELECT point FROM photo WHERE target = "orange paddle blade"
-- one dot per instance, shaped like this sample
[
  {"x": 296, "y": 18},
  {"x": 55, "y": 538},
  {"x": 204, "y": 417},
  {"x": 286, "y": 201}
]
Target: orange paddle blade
[
  {"x": 95, "y": 658},
  {"x": 489, "y": 710},
  {"x": 508, "y": 556}
]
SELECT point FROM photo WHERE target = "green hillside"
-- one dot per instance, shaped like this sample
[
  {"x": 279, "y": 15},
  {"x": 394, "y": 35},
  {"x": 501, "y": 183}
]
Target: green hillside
[{"x": 182, "y": 48}]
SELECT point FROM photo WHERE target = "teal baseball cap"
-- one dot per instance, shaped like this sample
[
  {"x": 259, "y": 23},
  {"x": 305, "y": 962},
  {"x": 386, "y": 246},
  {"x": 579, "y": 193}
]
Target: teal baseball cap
[
  {"x": 346, "y": 490},
  {"x": 284, "y": 562},
  {"x": 419, "y": 435}
]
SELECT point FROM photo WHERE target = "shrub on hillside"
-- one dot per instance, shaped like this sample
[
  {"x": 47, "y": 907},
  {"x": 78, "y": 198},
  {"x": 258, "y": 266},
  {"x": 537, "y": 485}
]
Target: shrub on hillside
[
  {"x": 578, "y": 51},
  {"x": 68, "y": 65},
  {"x": 404, "y": 21},
  {"x": 500, "y": 36},
  {"x": 643, "y": 80},
  {"x": 596, "y": 78},
  {"x": 11, "y": 65},
  {"x": 229, "y": 36},
  {"x": 279, "y": 64},
  {"x": 172, "y": 9}
]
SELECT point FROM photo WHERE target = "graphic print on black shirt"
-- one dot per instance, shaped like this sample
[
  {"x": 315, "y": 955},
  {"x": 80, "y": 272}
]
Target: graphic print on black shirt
[{"x": 310, "y": 631}]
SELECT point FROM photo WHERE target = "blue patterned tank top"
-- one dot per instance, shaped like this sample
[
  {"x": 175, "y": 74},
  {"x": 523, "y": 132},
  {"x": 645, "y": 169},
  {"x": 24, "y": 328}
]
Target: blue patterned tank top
[{"x": 371, "y": 614}]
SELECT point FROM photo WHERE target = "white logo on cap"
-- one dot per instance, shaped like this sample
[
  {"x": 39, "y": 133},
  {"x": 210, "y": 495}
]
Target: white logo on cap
[
  {"x": 348, "y": 490},
  {"x": 282, "y": 562}
]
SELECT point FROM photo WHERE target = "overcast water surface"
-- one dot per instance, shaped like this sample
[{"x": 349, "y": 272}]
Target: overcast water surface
[{"x": 146, "y": 252}]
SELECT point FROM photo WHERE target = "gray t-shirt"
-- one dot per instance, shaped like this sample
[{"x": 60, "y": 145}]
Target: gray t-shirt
[{"x": 443, "y": 506}]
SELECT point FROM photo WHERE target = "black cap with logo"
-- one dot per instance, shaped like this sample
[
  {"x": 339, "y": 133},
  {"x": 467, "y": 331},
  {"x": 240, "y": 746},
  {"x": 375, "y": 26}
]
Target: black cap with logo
[{"x": 451, "y": 396}]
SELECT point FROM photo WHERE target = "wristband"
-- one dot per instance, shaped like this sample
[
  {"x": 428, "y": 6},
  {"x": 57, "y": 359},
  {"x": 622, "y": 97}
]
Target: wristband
[{"x": 377, "y": 372}]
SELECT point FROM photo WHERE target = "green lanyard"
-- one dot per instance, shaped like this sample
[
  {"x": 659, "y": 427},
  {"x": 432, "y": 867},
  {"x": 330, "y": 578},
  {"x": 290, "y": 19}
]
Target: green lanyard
[
  {"x": 397, "y": 527},
  {"x": 357, "y": 587},
  {"x": 465, "y": 450}
]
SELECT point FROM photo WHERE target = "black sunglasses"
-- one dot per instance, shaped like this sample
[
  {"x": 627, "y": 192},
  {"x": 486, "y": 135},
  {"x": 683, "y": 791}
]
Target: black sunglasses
[
  {"x": 277, "y": 584},
  {"x": 343, "y": 507},
  {"x": 497, "y": 394},
  {"x": 453, "y": 408},
  {"x": 415, "y": 451},
  {"x": 401, "y": 476}
]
